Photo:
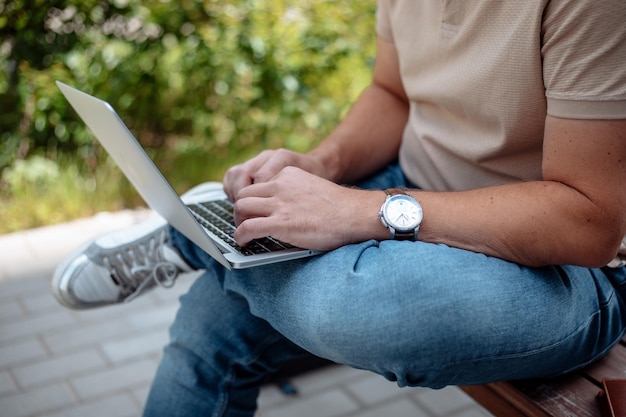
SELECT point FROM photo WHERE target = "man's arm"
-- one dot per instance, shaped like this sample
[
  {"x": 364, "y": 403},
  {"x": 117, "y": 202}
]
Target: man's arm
[
  {"x": 369, "y": 136},
  {"x": 366, "y": 140},
  {"x": 576, "y": 215}
]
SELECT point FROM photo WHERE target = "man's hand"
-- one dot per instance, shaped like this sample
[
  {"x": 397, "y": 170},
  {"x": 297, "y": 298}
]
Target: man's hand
[
  {"x": 304, "y": 210},
  {"x": 265, "y": 166},
  {"x": 295, "y": 197}
]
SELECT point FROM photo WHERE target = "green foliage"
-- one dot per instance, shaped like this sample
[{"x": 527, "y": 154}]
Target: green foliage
[
  {"x": 40, "y": 191},
  {"x": 191, "y": 78}
]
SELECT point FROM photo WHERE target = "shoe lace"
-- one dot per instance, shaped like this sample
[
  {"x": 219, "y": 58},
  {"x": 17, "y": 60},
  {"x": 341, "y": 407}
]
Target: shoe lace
[{"x": 137, "y": 267}]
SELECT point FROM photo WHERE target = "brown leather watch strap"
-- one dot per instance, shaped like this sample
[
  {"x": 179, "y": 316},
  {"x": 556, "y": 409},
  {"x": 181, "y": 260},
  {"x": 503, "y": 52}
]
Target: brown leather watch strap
[
  {"x": 394, "y": 191},
  {"x": 404, "y": 236}
]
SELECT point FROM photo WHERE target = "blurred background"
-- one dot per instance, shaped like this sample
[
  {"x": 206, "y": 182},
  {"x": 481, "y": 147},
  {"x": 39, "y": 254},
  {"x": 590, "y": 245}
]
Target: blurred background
[{"x": 192, "y": 79}]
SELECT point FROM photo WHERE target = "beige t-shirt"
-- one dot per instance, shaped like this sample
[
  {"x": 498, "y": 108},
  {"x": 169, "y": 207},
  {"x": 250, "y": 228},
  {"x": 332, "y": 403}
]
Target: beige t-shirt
[{"x": 481, "y": 76}]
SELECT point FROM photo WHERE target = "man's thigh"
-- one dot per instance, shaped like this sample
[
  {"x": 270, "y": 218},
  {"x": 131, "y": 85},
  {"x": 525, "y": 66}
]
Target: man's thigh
[{"x": 433, "y": 315}]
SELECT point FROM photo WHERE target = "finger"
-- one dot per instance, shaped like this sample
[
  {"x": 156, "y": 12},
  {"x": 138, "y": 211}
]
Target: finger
[
  {"x": 263, "y": 190},
  {"x": 276, "y": 161},
  {"x": 251, "y": 207},
  {"x": 231, "y": 181},
  {"x": 237, "y": 184},
  {"x": 254, "y": 228},
  {"x": 240, "y": 176}
]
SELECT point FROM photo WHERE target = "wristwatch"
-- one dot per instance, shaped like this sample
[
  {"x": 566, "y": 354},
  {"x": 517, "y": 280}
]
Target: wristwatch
[{"x": 401, "y": 214}]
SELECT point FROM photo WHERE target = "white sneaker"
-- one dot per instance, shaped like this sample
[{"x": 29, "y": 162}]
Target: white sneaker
[{"x": 118, "y": 266}]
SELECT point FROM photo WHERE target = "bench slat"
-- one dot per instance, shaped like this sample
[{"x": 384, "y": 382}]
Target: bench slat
[
  {"x": 496, "y": 398},
  {"x": 567, "y": 396},
  {"x": 572, "y": 395},
  {"x": 613, "y": 365}
]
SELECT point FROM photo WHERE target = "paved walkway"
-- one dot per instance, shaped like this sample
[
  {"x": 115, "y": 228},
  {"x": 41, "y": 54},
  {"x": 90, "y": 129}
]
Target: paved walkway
[{"x": 62, "y": 363}]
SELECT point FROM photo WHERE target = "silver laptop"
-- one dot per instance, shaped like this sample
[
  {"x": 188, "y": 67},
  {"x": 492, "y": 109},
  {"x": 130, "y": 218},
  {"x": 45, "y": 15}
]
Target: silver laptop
[{"x": 205, "y": 215}]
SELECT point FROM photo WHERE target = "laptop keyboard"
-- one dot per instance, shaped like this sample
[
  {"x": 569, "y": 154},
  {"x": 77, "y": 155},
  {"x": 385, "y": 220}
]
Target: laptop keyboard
[{"x": 217, "y": 217}]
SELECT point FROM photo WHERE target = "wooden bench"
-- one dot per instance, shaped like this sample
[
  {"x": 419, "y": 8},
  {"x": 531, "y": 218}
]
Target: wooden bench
[{"x": 571, "y": 395}]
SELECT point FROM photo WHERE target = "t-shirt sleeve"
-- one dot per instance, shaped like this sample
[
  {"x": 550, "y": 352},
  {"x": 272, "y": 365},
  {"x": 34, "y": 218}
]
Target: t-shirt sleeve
[{"x": 584, "y": 59}]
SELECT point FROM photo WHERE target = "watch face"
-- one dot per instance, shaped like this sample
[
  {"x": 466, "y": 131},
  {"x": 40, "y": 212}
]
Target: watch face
[{"x": 403, "y": 213}]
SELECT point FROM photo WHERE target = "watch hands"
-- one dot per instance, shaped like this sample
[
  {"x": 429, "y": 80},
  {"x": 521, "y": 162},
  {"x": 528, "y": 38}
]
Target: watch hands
[{"x": 402, "y": 216}]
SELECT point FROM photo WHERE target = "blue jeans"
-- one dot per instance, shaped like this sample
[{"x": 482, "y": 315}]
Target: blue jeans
[{"x": 416, "y": 313}]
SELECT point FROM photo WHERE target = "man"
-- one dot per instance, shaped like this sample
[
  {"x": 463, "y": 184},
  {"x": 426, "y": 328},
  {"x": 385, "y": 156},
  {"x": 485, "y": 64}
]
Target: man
[{"x": 488, "y": 260}]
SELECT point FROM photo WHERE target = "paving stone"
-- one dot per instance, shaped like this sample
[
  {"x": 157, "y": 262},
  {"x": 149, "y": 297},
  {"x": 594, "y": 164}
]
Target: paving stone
[
  {"x": 374, "y": 389},
  {"x": 115, "y": 406},
  {"x": 270, "y": 396},
  {"x": 85, "y": 334},
  {"x": 7, "y": 385},
  {"x": 58, "y": 368},
  {"x": 141, "y": 344},
  {"x": 15, "y": 255},
  {"x": 36, "y": 401},
  {"x": 444, "y": 401},
  {"x": 16, "y": 353},
  {"x": 401, "y": 407},
  {"x": 113, "y": 380},
  {"x": 328, "y": 404},
  {"x": 9, "y": 309},
  {"x": 40, "y": 303},
  {"x": 21, "y": 287},
  {"x": 327, "y": 377},
  {"x": 117, "y": 312},
  {"x": 140, "y": 395},
  {"x": 31, "y": 326}
]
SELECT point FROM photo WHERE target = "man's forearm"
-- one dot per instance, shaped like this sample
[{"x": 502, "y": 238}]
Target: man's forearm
[
  {"x": 575, "y": 215},
  {"x": 367, "y": 139},
  {"x": 534, "y": 223}
]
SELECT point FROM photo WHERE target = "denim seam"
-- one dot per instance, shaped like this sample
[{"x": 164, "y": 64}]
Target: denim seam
[
  {"x": 543, "y": 349},
  {"x": 601, "y": 306},
  {"x": 222, "y": 401},
  {"x": 606, "y": 302}
]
